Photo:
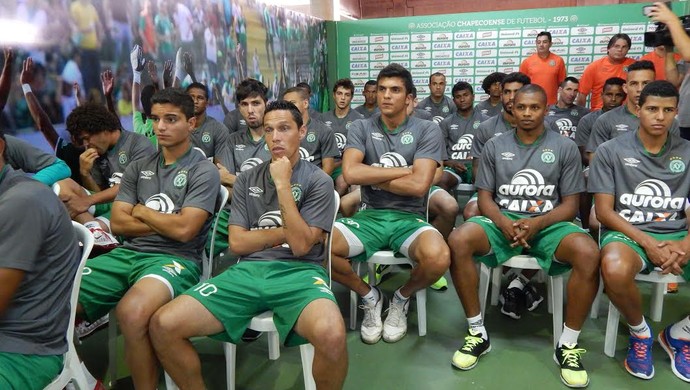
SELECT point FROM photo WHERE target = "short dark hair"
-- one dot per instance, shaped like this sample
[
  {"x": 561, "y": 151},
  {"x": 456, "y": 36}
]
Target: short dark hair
[
  {"x": 544, "y": 34},
  {"x": 658, "y": 88},
  {"x": 616, "y": 37},
  {"x": 413, "y": 92},
  {"x": 641, "y": 65},
  {"x": 198, "y": 85},
  {"x": 531, "y": 88},
  {"x": 370, "y": 82},
  {"x": 495, "y": 77},
  {"x": 516, "y": 77},
  {"x": 303, "y": 94},
  {"x": 569, "y": 79},
  {"x": 177, "y": 97},
  {"x": 461, "y": 86},
  {"x": 91, "y": 118},
  {"x": 397, "y": 70},
  {"x": 282, "y": 105},
  {"x": 344, "y": 83},
  {"x": 613, "y": 81},
  {"x": 435, "y": 74},
  {"x": 146, "y": 94},
  {"x": 250, "y": 88},
  {"x": 304, "y": 86}
]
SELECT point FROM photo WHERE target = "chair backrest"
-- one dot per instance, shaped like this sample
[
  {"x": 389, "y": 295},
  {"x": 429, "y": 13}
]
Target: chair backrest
[
  {"x": 207, "y": 258},
  {"x": 86, "y": 238},
  {"x": 330, "y": 235}
]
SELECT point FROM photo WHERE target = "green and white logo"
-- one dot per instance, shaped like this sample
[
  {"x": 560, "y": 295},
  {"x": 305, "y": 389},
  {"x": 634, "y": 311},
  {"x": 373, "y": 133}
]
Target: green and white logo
[
  {"x": 206, "y": 138},
  {"x": 296, "y": 192},
  {"x": 122, "y": 159},
  {"x": 311, "y": 137},
  {"x": 574, "y": 113},
  {"x": 265, "y": 146},
  {"x": 548, "y": 157},
  {"x": 347, "y": 125},
  {"x": 475, "y": 124},
  {"x": 676, "y": 166},
  {"x": 406, "y": 139},
  {"x": 180, "y": 179},
  {"x": 445, "y": 109}
]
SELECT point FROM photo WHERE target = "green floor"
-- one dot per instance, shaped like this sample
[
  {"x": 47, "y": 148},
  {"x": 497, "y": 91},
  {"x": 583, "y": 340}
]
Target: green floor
[{"x": 521, "y": 356}]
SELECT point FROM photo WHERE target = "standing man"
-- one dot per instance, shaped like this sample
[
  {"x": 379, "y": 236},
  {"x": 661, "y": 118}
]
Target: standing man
[
  {"x": 492, "y": 87},
  {"x": 369, "y": 107},
  {"x": 545, "y": 68},
  {"x": 339, "y": 120},
  {"x": 88, "y": 38},
  {"x": 529, "y": 184},
  {"x": 640, "y": 184},
  {"x": 437, "y": 103},
  {"x": 393, "y": 158},
  {"x": 280, "y": 268},
  {"x": 662, "y": 58},
  {"x": 163, "y": 210},
  {"x": 564, "y": 116},
  {"x": 40, "y": 255},
  {"x": 319, "y": 145},
  {"x": 614, "y": 64}
]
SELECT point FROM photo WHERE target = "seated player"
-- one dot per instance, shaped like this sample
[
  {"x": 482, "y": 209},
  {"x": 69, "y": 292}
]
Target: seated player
[
  {"x": 163, "y": 210},
  {"x": 393, "y": 158},
  {"x": 209, "y": 135},
  {"x": 109, "y": 150},
  {"x": 564, "y": 116},
  {"x": 640, "y": 183},
  {"x": 43, "y": 167},
  {"x": 281, "y": 212},
  {"x": 492, "y": 86},
  {"x": 529, "y": 183},
  {"x": 369, "y": 107},
  {"x": 40, "y": 255}
]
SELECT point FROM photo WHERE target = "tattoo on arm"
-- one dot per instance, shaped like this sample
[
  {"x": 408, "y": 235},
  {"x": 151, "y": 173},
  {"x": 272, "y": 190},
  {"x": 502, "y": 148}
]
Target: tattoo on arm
[{"x": 282, "y": 214}]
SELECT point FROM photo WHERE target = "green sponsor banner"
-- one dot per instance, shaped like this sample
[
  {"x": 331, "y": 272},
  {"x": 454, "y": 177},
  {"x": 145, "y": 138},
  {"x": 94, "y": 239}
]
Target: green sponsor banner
[{"x": 468, "y": 47}]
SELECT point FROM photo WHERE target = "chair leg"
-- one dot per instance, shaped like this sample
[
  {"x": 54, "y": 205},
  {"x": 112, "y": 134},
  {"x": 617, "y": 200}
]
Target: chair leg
[
  {"x": 557, "y": 299},
  {"x": 611, "y": 331},
  {"x": 421, "y": 311},
  {"x": 169, "y": 383},
  {"x": 76, "y": 372},
  {"x": 549, "y": 294},
  {"x": 496, "y": 274},
  {"x": 594, "y": 312},
  {"x": 484, "y": 278},
  {"x": 273, "y": 346},
  {"x": 230, "y": 351},
  {"x": 306, "y": 351},
  {"x": 354, "y": 300},
  {"x": 112, "y": 350},
  {"x": 657, "y": 301}
]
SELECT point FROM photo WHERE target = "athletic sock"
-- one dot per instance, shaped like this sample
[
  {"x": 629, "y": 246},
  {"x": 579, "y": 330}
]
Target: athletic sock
[
  {"x": 476, "y": 324},
  {"x": 569, "y": 336},
  {"x": 517, "y": 283},
  {"x": 371, "y": 297},
  {"x": 398, "y": 295},
  {"x": 681, "y": 329},
  {"x": 641, "y": 331}
]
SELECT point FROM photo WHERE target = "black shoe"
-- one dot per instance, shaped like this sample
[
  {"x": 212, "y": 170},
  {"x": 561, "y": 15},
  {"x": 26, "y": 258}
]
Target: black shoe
[
  {"x": 251, "y": 335},
  {"x": 532, "y": 297},
  {"x": 513, "y": 302}
]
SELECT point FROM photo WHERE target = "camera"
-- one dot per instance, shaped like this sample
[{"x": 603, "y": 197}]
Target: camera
[{"x": 662, "y": 36}]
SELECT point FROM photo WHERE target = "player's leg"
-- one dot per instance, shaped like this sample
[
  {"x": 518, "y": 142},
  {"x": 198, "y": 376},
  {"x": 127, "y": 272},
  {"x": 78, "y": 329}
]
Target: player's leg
[
  {"x": 471, "y": 208},
  {"x": 448, "y": 180},
  {"x": 443, "y": 210},
  {"x": 349, "y": 203}
]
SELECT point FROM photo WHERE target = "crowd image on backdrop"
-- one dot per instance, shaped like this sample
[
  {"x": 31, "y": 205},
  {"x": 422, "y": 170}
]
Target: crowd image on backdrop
[{"x": 588, "y": 177}]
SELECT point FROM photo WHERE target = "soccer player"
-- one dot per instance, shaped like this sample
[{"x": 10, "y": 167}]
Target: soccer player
[
  {"x": 529, "y": 183},
  {"x": 437, "y": 104},
  {"x": 40, "y": 255},
  {"x": 614, "y": 64},
  {"x": 163, "y": 210},
  {"x": 640, "y": 184},
  {"x": 564, "y": 116},
  {"x": 281, "y": 212},
  {"x": 393, "y": 158},
  {"x": 624, "y": 118},
  {"x": 319, "y": 146},
  {"x": 313, "y": 114},
  {"x": 209, "y": 135},
  {"x": 412, "y": 109},
  {"x": 458, "y": 132},
  {"x": 339, "y": 120},
  {"x": 545, "y": 68},
  {"x": 369, "y": 107},
  {"x": 492, "y": 87}
]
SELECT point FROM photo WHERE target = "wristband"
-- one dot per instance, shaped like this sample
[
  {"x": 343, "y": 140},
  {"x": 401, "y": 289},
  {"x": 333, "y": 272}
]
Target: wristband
[
  {"x": 136, "y": 78},
  {"x": 26, "y": 88}
]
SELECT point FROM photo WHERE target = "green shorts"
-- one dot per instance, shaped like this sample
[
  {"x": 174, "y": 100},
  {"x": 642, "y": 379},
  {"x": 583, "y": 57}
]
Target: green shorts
[
  {"x": 107, "y": 278},
  {"x": 462, "y": 177},
  {"x": 249, "y": 288},
  {"x": 337, "y": 171},
  {"x": 221, "y": 244},
  {"x": 647, "y": 266},
  {"x": 542, "y": 246},
  {"x": 373, "y": 230},
  {"x": 28, "y": 372}
]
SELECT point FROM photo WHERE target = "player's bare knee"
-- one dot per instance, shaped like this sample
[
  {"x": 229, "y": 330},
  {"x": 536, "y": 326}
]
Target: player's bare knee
[
  {"x": 132, "y": 314},
  {"x": 163, "y": 324},
  {"x": 435, "y": 257},
  {"x": 615, "y": 270},
  {"x": 588, "y": 256}
]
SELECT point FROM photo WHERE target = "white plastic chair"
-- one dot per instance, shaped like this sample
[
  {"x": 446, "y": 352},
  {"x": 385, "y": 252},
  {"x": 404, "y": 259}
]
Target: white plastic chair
[
  {"x": 656, "y": 306},
  {"x": 264, "y": 323},
  {"x": 465, "y": 188},
  {"x": 71, "y": 370},
  {"x": 555, "y": 285},
  {"x": 206, "y": 269}
]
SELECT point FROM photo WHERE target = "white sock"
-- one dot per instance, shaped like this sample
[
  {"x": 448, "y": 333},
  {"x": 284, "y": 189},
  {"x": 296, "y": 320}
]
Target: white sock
[
  {"x": 371, "y": 297},
  {"x": 681, "y": 329},
  {"x": 641, "y": 331},
  {"x": 569, "y": 336},
  {"x": 517, "y": 282},
  {"x": 398, "y": 295},
  {"x": 92, "y": 225},
  {"x": 476, "y": 325},
  {"x": 90, "y": 380}
]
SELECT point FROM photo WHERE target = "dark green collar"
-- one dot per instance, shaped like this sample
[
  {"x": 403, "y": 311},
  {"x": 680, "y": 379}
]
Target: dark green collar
[{"x": 161, "y": 161}]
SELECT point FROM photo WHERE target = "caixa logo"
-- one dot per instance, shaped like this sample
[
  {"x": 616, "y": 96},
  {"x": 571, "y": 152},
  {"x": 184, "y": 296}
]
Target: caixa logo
[
  {"x": 580, "y": 59},
  {"x": 359, "y": 65},
  {"x": 442, "y": 63},
  {"x": 400, "y": 47},
  {"x": 464, "y": 35},
  {"x": 581, "y": 40},
  {"x": 358, "y": 48},
  {"x": 558, "y": 31},
  {"x": 486, "y": 62},
  {"x": 484, "y": 44},
  {"x": 442, "y": 45}
]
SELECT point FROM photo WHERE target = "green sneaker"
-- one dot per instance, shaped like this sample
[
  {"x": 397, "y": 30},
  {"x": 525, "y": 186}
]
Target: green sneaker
[
  {"x": 569, "y": 357},
  {"x": 440, "y": 285},
  {"x": 380, "y": 271},
  {"x": 468, "y": 355}
]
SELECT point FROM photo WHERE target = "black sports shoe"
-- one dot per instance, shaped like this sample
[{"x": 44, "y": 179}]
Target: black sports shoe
[
  {"x": 251, "y": 335},
  {"x": 513, "y": 302},
  {"x": 532, "y": 297}
]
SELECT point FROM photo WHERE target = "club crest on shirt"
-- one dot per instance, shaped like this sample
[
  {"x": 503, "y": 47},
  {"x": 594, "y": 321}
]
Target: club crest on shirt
[
  {"x": 206, "y": 137},
  {"x": 547, "y": 156},
  {"x": 445, "y": 109},
  {"x": 311, "y": 137},
  {"x": 296, "y": 192},
  {"x": 407, "y": 138},
  {"x": 552, "y": 63},
  {"x": 476, "y": 124},
  {"x": 180, "y": 179},
  {"x": 122, "y": 157},
  {"x": 676, "y": 165}
]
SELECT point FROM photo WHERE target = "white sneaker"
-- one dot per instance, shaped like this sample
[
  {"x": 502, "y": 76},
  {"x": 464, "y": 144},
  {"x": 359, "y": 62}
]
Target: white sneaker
[
  {"x": 371, "y": 324},
  {"x": 395, "y": 326}
]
